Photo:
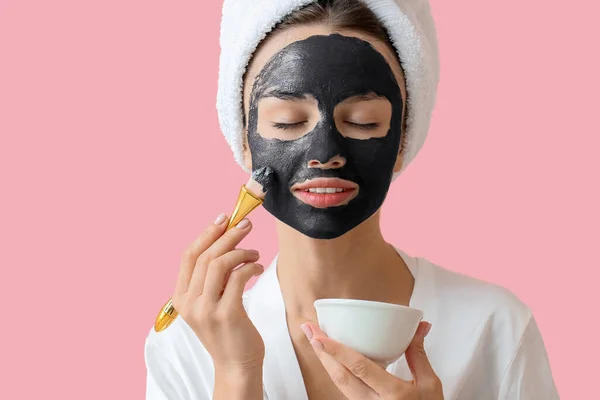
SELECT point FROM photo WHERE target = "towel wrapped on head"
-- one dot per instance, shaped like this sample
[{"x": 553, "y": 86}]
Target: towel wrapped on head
[{"x": 409, "y": 23}]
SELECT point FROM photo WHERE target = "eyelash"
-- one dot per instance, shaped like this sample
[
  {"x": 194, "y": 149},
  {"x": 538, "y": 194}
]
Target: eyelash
[
  {"x": 283, "y": 126},
  {"x": 366, "y": 127}
]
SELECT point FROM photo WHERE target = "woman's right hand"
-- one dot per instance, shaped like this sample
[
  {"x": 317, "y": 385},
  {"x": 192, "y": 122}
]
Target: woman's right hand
[{"x": 218, "y": 316}]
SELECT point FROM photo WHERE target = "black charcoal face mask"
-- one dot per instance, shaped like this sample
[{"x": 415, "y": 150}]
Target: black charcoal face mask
[{"x": 331, "y": 69}]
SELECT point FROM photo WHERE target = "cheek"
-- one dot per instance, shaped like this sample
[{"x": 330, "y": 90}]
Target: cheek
[
  {"x": 286, "y": 158},
  {"x": 267, "y": 151},
  {"x": 247, "y": 152},
  {"x": 373, "y": 156}
]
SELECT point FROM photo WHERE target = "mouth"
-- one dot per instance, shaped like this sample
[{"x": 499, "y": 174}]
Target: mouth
[{"x": 325, "y": 192}]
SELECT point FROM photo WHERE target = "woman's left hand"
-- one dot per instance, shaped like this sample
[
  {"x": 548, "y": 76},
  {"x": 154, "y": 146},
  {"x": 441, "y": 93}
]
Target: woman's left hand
[{"x": 358, "y": 377}]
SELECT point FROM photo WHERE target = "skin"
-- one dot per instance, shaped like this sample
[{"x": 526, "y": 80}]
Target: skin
[
  {"x": 217, "y": 316},
  {"x": 211, "y": 304},
  {"x": 324, "y": 98},
  {"x": 357, "y": 377},
  {"x": 333, "y": 268},
  {"x": 359, "y": 264}
]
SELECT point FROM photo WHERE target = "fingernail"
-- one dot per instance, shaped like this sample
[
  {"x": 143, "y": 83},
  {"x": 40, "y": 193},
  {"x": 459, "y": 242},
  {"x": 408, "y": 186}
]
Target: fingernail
[
  {"x": 427, "y": 329},
  {"x": 261, "y": 269},
  {"x": 317, "y": 345},
  {"x": 253, "y": 251},
  {"x": 243, "y": 223},
  {"x": 307, "y": 331},
  {"x": 220, "y": 219}
]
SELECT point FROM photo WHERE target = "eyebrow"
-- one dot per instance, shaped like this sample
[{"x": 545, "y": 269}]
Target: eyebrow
[
  {"x": 283, "y": 95},
  {"x": 363, "y": 97}
]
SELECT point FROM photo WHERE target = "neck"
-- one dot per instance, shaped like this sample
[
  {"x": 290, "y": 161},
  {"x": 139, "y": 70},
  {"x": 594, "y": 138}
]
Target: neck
[{"x": 358, "y": 265}]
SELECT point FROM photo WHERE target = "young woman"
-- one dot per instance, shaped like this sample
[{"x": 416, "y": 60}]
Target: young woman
[{"x": 327, "y": 105}]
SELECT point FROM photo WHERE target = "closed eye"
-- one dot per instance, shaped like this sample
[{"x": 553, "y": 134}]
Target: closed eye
[
  {"x": 366, "y": 127},
  {"x": 286, "y": 126}
]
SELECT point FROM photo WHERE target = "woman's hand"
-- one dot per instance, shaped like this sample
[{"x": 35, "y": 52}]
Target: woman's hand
[
  {"x": 218, "y": 316},
  {"x": 358, "y": 377}
]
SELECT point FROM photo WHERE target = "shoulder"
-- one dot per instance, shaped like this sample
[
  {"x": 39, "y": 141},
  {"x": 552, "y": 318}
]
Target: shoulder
[
  {"x": 475, "y": 298},
  {"x": 487, "y": 332},
  {"x": 485, "y": 322}
]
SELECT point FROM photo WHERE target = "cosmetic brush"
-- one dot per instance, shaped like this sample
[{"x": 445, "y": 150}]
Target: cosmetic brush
[{"x": 251, "y": 195}]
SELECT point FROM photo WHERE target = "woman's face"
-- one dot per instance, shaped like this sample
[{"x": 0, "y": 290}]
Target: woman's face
[{"x": 324, "y": 110}]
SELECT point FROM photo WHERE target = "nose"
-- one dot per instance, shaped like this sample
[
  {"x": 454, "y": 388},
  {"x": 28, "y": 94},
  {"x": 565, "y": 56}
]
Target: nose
[{"x": 336, "y": 161}]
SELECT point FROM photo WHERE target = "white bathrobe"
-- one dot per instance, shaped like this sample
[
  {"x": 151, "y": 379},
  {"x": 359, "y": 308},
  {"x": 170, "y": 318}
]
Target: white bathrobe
[{"x": 484, "y": 343}]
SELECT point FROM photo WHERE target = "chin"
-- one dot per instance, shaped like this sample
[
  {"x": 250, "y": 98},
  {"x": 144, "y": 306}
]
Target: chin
[
  {"x": 327, "y": 230},
  {"x": 321, "y": 234}
]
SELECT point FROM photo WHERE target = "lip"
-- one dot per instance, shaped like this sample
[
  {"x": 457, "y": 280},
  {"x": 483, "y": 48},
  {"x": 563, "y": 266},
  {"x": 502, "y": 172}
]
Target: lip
[{"x": 324, "y": 200}]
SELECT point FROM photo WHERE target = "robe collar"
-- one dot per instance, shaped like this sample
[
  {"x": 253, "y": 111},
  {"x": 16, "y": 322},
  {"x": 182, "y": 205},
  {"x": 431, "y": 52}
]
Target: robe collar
[{"x": 282, "y": 377}]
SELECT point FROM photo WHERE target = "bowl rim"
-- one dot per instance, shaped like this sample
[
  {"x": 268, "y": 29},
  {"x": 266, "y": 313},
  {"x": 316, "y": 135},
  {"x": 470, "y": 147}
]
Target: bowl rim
[{"x": 367, "y": 303}]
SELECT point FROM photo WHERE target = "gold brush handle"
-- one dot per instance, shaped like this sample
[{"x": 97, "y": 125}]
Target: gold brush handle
[
  {"x": 165, "y": 317},
  {"x": 246, "y": 202}
]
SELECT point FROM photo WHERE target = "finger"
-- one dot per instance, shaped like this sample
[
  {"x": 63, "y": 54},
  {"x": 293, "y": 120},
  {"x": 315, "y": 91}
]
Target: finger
[
  {"x": 234, "y": 289},
  {"x": 197, "y": 247},
  {"x": 229, "y": 239},
  {"x": 417, "y": 359},
  {"x": 365, "y": 369},
  {"x": 351, "y": 386},
  {"x": 222, "y": 245},
  {"x": 220, "y": 267}
]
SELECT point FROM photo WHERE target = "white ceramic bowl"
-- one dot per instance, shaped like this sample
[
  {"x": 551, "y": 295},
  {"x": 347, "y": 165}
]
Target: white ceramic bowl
[{"x": 379, "y": 331}]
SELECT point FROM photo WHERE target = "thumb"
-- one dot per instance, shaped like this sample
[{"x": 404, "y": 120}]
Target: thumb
[{"x": 415, "y": 354}]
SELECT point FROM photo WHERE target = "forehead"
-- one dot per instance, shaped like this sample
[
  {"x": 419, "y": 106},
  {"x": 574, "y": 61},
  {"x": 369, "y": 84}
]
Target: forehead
[
  {"x": 329, "y": 67},
  {"x": 276, "y": 42}
]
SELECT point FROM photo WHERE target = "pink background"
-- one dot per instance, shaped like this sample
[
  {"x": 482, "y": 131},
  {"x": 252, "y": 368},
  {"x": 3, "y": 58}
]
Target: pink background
[{"x": 112, "y": 163}]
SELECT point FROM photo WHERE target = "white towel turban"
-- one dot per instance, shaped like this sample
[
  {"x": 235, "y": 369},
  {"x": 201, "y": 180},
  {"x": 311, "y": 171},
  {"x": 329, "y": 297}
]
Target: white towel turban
[{"x": 412, "y": 31}]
